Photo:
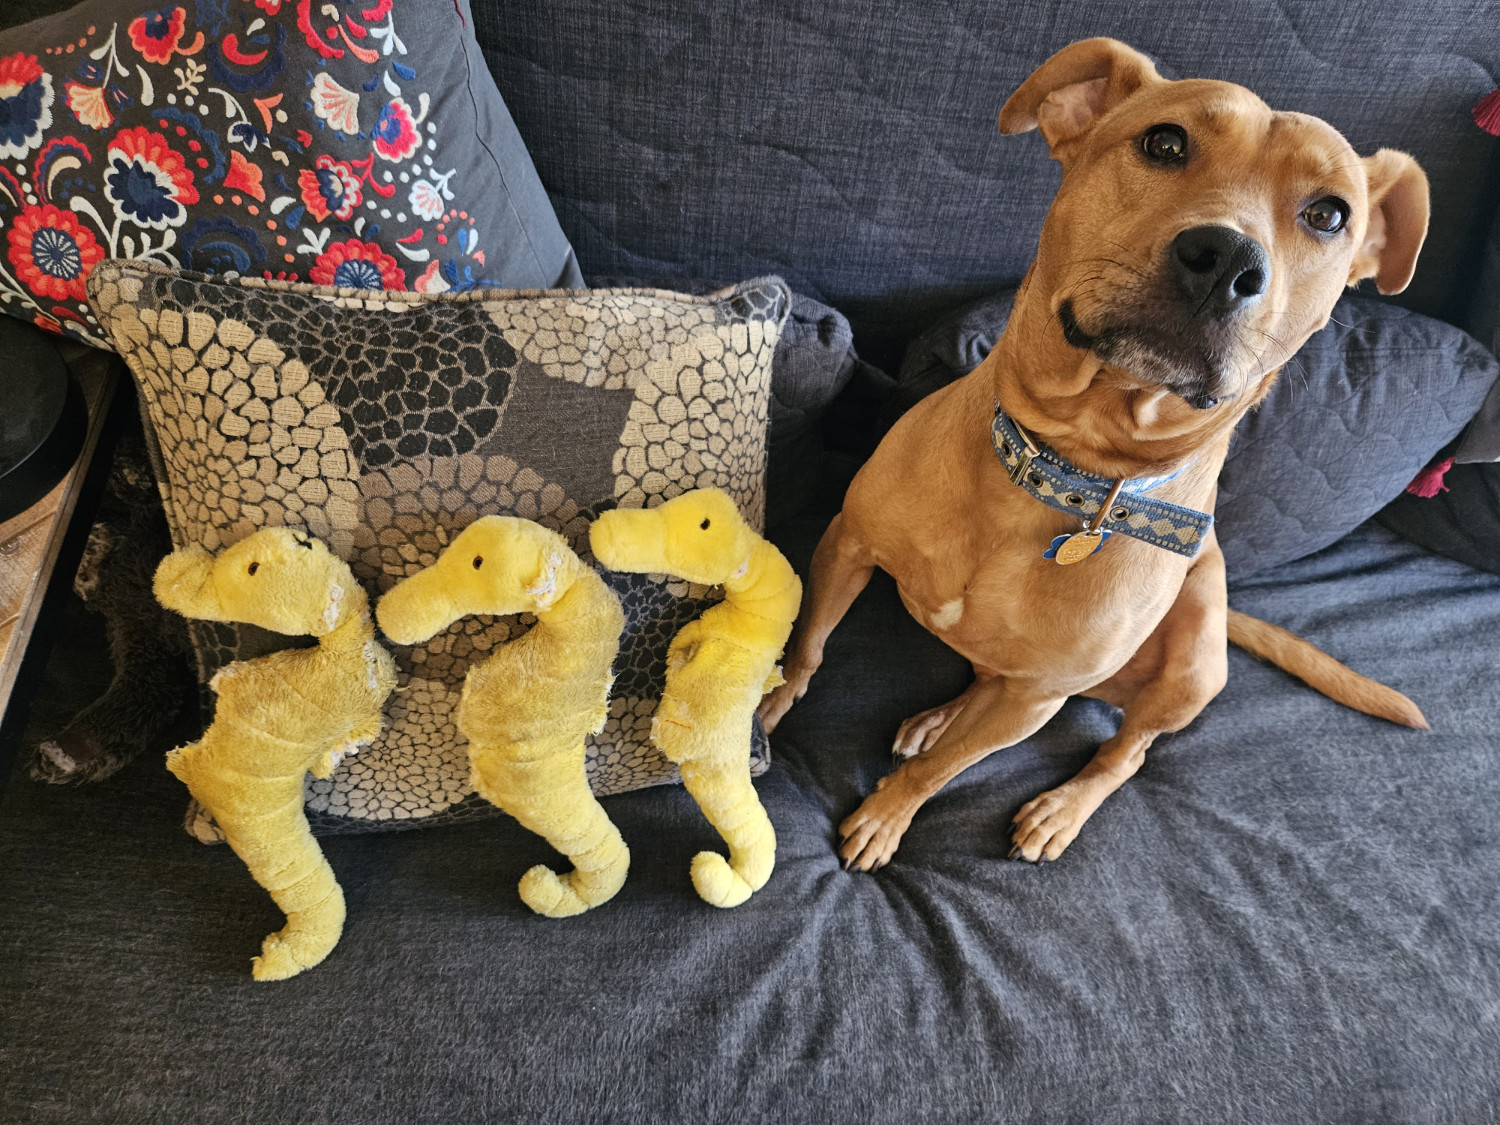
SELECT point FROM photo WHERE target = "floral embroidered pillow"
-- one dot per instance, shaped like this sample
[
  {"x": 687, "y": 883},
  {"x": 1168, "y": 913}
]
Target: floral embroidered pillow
[{"x": 354, "y": 143}]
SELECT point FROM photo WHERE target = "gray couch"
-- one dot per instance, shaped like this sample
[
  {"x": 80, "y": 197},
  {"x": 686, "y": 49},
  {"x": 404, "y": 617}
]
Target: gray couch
[{"x": 1290, "y": 915}]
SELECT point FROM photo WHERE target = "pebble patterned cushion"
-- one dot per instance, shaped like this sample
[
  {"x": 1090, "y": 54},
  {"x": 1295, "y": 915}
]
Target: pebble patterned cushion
[
  {"x": 353, "y": 143},
  {"x": 385, "y": 423}
]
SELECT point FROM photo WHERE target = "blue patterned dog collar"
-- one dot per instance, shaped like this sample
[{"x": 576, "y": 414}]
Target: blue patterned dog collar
[{"x": 1063, "y": 486}]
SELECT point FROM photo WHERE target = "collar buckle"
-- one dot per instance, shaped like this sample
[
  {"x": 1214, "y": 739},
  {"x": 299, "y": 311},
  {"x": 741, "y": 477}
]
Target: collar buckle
[{"x": 1024, "y": 456}]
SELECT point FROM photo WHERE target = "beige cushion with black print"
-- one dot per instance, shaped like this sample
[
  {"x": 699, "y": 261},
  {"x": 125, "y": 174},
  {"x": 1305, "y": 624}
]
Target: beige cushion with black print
[{"x": 386, "y": 422}]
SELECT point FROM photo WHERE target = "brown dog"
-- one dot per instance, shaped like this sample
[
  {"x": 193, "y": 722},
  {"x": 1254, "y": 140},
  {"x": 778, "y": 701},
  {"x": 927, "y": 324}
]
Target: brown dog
[{"x": 1198, "y": 239}]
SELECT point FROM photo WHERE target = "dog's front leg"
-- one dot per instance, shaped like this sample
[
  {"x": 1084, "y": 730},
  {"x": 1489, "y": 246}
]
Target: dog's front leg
[
  {"x": 1162, "y": 688},
  {"x": 998, "y": 713},
  {"x": 841, "y": 568}
]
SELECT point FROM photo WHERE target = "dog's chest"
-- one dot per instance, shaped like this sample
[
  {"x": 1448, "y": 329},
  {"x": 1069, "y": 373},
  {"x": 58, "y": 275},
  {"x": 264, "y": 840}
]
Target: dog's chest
[{"x": 1012, "y": 612}]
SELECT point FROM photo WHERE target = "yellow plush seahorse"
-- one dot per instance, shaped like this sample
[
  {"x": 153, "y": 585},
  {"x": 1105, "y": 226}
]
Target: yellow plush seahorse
[
  {"x": 280, "y": 716},
  {"x": 527, "y": 709},
  {"x": 718, "y": 666}
]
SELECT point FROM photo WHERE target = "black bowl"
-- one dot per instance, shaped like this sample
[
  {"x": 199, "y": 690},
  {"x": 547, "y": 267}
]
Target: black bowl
[{"x": 42, "y": 417}]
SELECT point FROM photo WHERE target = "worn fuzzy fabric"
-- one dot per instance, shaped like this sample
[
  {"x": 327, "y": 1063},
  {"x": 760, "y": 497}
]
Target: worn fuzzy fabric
[
  {"x": 148, "y": 646},
  {"x": 719, "y": 666},
  {"x": 279, "y": 717},
  {"x": 1291, "y": 914},
  {"x": 529, "y": 707}
]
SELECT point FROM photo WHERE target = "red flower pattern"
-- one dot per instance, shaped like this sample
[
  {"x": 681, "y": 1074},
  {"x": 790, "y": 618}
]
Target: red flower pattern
[
  {"x": 18, "y": 71},
  {"x": 25, "y": 105},
  {"x": 152, "y": 148},
  {"x": 395, "y": 134},
  {"x": 244, "y": 176},
  {"x": 357, "y": 265},
  {"x": 330, "y": 187},
  {"x": 52, "y": 252},
  {"x": 157, "y": 34},
  {"x": 146, "y": 142},
  {"x": 88, "y": 105},
  {"x": 148, "y": 182}
]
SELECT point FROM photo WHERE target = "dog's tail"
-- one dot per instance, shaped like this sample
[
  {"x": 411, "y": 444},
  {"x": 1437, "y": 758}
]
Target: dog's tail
[{"x": 1322, "y": 672}]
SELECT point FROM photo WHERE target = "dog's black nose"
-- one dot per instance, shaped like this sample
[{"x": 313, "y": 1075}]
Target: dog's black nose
[{"x": 1218, "y": 269}]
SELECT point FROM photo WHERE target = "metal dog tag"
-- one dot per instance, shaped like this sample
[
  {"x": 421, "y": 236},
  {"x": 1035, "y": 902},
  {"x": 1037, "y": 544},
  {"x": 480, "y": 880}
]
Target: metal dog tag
[
  {"x": 1079, "y": 546},
  {"x": 1069, "y": 549}
]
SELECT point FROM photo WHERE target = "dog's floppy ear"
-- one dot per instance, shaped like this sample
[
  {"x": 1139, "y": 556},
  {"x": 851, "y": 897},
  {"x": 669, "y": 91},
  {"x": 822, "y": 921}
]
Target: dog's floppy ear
[
  {"x": 1074, "y": 88},
  {"x": 1398, "y": 221}
]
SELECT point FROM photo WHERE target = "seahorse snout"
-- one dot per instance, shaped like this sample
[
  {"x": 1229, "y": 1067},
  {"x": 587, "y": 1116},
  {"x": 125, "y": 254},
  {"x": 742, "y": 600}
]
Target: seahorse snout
[
  {"x": 699, "y": 535},
  {"x": 416, "y": 608},
  {"x": 630, "y": 540}
]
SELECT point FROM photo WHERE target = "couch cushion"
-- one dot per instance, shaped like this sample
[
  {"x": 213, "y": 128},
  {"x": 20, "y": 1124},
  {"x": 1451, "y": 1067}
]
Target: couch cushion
[
  {"x": 357, "y": 146},
  {"x": 1481, "y": 440},
  {"x": 1364, "y": 405},
  {"x": 386, "y": 423},
  {"x": 1462, "y": 521},
  {"x": 1289, "y": 915},
  {"x": 853, "y": 150}
]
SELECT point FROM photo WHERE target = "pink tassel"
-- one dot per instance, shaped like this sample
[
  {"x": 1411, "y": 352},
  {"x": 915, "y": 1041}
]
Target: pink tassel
[
  {"x": 1429, "y": 482},
  {"x": 1486, "y": 113}
]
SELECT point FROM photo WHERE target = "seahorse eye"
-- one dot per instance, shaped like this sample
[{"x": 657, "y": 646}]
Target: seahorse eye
[
  {"x": 704, "y": 524},
  {"x": 253, "y": 567},
  {"x": 478, "y": 561}
]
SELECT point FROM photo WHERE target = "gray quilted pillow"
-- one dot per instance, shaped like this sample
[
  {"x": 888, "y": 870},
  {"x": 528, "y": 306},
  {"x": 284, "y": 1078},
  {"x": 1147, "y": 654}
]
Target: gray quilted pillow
[{"x": 1359, "y": 410}]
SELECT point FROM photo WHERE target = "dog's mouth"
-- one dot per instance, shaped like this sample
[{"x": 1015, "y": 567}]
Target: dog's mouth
[
  {"x": 1073, "y": 334},
  {"x": 1193, "y": 370}
]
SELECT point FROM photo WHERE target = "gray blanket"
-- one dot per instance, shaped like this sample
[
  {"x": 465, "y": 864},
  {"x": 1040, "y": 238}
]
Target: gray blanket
[{"x": 1292, "y": 914}]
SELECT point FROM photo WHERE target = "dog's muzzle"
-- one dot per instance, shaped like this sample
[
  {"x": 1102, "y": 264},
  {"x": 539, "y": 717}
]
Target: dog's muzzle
[
  {"x": 1190, "y": 369},
  {"x": 1183, "y": 329}
]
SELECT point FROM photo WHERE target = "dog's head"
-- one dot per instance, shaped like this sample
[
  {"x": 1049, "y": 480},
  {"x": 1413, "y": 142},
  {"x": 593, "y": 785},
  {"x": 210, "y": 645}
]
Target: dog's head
[{"x": 1200, "y": 237}]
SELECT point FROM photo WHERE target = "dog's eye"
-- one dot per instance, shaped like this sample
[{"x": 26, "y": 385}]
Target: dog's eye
[
  {"x": 704, "y": 525},
  {"x": 252, "y": 568},
  {"x": 478, "y": 561},
  {"x": 1327, "y": 215},
  {"x": 1166, "y": 144}
]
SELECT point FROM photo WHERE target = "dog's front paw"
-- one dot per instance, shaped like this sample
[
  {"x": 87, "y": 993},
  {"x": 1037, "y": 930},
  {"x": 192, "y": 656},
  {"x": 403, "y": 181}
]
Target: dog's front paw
[
  {"x": 779, "y": 700},
  {"x": 922, "y": 731},
  {"x": 1047, "y": 824},
  {"x": 872, "y": 833}
]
